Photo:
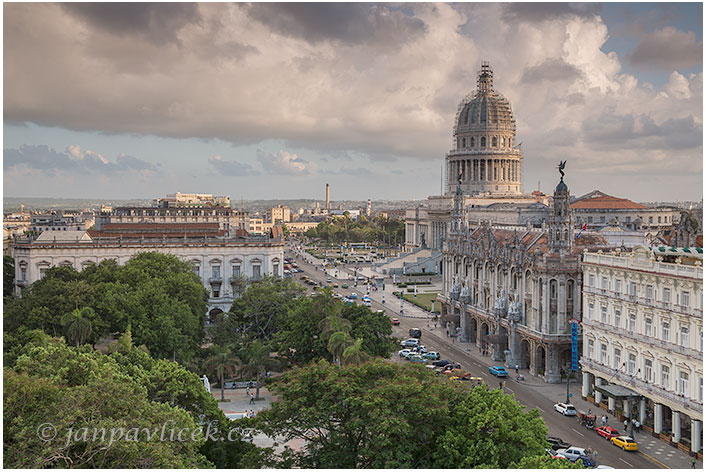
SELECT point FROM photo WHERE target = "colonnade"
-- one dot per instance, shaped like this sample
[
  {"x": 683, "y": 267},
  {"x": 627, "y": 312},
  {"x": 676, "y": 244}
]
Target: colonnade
[{"x": 494, "y": 170}]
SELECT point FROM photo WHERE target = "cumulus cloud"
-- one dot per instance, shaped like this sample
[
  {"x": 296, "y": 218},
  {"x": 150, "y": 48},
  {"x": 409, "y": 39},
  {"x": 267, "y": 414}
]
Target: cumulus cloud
[
  {"x": 73, "y": 160},
  {"x": 231, "y": 168},
  {"x": 282, "y": 163},
  {"x": 554, "y": 69},
  {"x": 667, "y": 48},
  {"x": 539, "y": 12}
]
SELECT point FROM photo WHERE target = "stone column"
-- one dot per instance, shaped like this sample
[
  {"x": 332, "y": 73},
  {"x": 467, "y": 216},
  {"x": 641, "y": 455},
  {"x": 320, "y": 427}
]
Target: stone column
[
  {"x": 658, "y": 419},
  {"x": 676, "y": 426},
  {"x": 695, "y": 436},
  {"x": 643, "y": 404},
  {"x": 547, "y": 304},
  {"x": 586, "y": 387},
  {"x": 599, "y": 395},
  {"x": 561, "y": 305},
  {"x": 552, "y": 372},
  {"x": 611, "y": 404}
]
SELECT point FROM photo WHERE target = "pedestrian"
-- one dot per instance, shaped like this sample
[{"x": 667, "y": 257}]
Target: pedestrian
[
  {"x": 595, "y": 457},
  {"x": 252, "y": 399},
  {"x": 500, "y": 384},
  {"x": 603, "y": 420},
  {"x": 693, "y": 462},
  {"x": 589, "y": 411},
  {"x": 447, "y": 333},
  {"x": 247, "y": 390},
  {"x": 252, "y": 413},
  {"x": 517, "y": 368},
  {"x": 625, "y": 425}
]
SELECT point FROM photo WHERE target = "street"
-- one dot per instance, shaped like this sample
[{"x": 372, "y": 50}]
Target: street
[{"x": 532, "y": 392}]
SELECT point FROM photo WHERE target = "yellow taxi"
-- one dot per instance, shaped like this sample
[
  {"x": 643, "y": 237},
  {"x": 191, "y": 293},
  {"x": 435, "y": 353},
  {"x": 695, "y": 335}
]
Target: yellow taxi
[{"x": 626, "y": 443}]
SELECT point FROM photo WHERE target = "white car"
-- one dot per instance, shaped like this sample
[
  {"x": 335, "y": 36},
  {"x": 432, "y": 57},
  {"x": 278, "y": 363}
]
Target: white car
[
  {"x": 573, "y": 453},
  {"x": 403, "y": 352},
  {"x": 566, "y": 409},
  {"x": 411, "y": 342}
]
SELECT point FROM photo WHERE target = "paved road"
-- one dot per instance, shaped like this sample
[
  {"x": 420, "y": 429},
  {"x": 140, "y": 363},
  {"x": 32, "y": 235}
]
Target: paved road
[{"x": 533, "y": 392}]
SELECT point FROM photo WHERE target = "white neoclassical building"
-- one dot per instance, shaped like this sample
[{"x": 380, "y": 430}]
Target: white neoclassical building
[
  {"x": 643, "y": 331},
  {"x": 221, "y": 263}
]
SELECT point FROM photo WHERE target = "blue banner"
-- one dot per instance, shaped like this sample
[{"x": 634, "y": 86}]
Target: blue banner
[{"x": 574, "y": 346}]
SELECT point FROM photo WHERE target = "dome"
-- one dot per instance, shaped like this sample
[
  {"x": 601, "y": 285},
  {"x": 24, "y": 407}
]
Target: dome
[
  {"x": 562, "y": 187},
  {"x": 485, "y": 108}
]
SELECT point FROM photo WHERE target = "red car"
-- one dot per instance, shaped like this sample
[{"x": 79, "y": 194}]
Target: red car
[
  {"x": 607, "y": 432},
  {"x": 395, "y": 322}
]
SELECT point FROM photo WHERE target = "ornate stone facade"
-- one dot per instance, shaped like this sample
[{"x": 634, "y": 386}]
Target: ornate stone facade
[{"x": 514, "y": 289}]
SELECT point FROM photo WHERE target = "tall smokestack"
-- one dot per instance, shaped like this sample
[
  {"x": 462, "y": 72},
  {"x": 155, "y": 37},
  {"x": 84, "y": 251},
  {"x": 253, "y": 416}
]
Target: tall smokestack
[{"x": 327, "y": 200}]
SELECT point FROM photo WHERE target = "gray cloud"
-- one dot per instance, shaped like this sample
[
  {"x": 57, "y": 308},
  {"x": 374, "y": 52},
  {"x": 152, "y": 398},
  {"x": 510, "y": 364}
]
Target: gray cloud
[
  {"x": 630, "y": 131},
  {"x": 555, "y": 69},
  {"x": 353, "y": 23},
  {"x": 158, "y": 22},
  {"x": 282, "y": 163},
  {"x": 74, "y": 160},
  {"x": 345, "y": 170},
  {"x": 538, "y": 12},
  {"x": 231, "y": 168},
  {"x": 668, "y": 49}
]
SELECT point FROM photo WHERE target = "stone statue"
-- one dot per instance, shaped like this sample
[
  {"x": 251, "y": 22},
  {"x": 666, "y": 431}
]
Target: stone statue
[
  {"x": 455, "y": 288},
  {"x": 514, "y": 312},
  {"x": 424, "y": 240},
  {"x": 500, "y": 306},
  {"x": 465, "y": 294},
  {"x": 562, "y": 164}
]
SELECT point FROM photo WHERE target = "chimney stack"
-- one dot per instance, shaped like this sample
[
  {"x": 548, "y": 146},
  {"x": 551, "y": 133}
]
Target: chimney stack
[{"x": 327, "y": 198}]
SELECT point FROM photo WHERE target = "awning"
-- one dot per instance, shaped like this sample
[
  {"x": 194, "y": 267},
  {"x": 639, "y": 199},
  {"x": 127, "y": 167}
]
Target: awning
[{"x": 618, "y": 392}]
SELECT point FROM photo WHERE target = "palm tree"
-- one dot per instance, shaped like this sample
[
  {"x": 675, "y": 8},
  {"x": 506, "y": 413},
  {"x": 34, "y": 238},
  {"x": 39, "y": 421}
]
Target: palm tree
[
  {"x": 256, "y": 362},
  {"x": 334, "y": 322},
  {"x": 77, "y": 325},
  {"x": 354, "y": 354},
  {"x": 220, "y": 363},
  {"x": 337, "y": 344}
]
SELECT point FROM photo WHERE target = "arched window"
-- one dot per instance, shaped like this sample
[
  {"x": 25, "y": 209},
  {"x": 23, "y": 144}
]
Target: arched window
[
  {"x": 463, "y": 143},
  {"x": 482, "y": 142},
  {"x": 503, "y": 142},
  {"x": 495, "y": 141},
  {"x": 566, "y": 235},
  {"x": 473, "y": 142},
  {"x": 552, "y": 289}
]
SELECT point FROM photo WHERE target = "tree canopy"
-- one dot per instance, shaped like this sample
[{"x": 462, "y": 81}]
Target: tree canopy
[{"x": 158, "y": 295}]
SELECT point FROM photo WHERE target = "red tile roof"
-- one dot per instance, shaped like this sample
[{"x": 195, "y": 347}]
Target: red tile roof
[{"x": 607, "y": 202}]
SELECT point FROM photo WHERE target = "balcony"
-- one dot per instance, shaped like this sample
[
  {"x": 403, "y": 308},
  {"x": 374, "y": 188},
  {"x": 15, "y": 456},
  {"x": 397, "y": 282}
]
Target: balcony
[
  {"x": 643, "y": 301},
  {"x": 215, "y": 280},
  {"x": 641, "y": 338},
  {"x": 21, "y": 283},
  {"x": 646, "y": 388}
]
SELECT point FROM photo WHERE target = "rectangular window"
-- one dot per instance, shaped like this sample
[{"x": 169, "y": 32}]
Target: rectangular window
[
  {"x": 666, "y": 295},
  {"x": 236, "y": 271},
  {"x": 684, "y": 336},
  {"x": 683, "y": 383},
  {"x": 256, "y": 272},
  {"x": 659, "y": 219},
  {"x": 604, "y": 354},
  {"x": 616, "y": 358},
  {"x": 665, "y": 331},
  {"x": 685, "y": 299},
  {"x": 604, "y": 314},
  {"x": 589, "y": 349},
  {"x": 665, "y": 377},
  {"x": 216, "y": 293},
  {"x": 275, "y": 270},
  {"x": 42, "y": 272},
  {"x": 632, "y": 361},
  {"x": 590, "y": 311},
  {"x": 701, "y": 389},
  {"x": 617, "y": 319},
  {"x": 602, "y": 220},
  {"x": 604, "y": 282},
  {"x": 197, "y": 271},
  {"x": 216, "y": 272},
  {"x": 632, "y": 321},
  {"x": 651, "y": 219},
  {"x": 648, "y": 370},
  {"x": 618, "y": 286},
  {"x": 648, "y": 326},
  {"x": 649, "y": 293},
  {"x": 590, "y": 219},
  {"x": 23, "y": 273},
  {"x": 591, "y": 281},
  {"x": 633, "y": 289}
]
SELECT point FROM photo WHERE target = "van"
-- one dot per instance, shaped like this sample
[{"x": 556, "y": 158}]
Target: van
[{"x": 415, "y": 333}]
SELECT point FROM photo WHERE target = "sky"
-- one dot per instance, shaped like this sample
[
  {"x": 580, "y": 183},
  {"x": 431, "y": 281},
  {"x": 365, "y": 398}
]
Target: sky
[{"x": 274, "y": 100}]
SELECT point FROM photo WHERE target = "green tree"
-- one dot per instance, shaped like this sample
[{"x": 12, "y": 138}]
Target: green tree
[
  {"x": 354, "y": 354},
  {"x": 223, "y": 362},
  {"x": 488, "y": 429},
  {"x": 256, "y": 362},
  {"x": 77, "y": 325},
  {"x": 545, "y": 462},
  {"x": 8, "y": 277},
  {"x": 338, "y": 342}
]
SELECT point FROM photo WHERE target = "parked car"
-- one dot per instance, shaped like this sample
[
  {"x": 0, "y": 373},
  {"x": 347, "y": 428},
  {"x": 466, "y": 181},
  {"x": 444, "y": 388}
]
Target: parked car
[
  {"x": 395, "y": 321},
  {"x": 626, "y": 443},
  {"x": 451, "y": 366},
  {"x": 353, "y": 295},
  {"x": 441, "y": 363},
  {"x": 432, "y": 356},
  {"x": 403, "y": 352},
  {"x": 329, "y": 280},
  {"x": 335, "y": 285},
  {"x": 566, "y": 409},
  {"x": 607, "y": 432},
  {"x": 498, "y": 371},
  {"x": 344, "y": 285},
  {"x": 575, "y": 453},
  {"x": 415, "y": 333},
  {"x": 412, "y": 342},
  {"x": 557, "y": 443},
  {"x": 417, "y": 358}
]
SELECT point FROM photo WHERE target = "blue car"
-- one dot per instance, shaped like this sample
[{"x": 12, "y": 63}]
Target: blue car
[{"x": 498, "y": 371}]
